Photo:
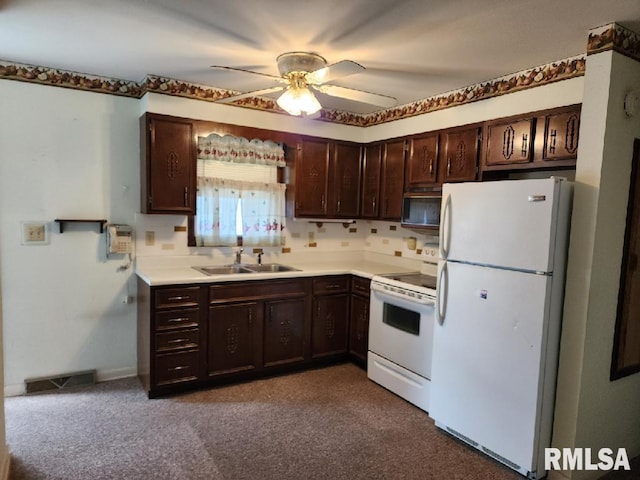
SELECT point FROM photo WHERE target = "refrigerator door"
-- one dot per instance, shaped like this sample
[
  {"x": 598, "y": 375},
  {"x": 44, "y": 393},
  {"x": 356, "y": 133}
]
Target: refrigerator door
[
  {"x": 487, "y": 360},
  {"x": 509, "y": 223}
]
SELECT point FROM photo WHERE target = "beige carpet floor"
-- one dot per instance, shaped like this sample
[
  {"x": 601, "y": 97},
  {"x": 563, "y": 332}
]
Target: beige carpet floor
[{"x": 330, "y": 423}]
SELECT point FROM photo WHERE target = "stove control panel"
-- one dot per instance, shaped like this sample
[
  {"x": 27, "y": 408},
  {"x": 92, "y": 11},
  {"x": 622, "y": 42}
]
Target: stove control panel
[{"x": 402, "y": 292}]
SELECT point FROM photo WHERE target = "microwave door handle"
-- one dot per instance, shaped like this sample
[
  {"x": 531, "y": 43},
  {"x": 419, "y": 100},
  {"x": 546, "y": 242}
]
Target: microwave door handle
[
  {"x": 441, "y": 293},
  {"x": 445, "y": 228}
]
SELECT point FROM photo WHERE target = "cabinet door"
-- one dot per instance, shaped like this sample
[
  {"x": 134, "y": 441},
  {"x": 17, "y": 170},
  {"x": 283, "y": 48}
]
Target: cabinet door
[
  {"x": 359, "y": 327},
  {"x": 509, "y": 143},
  {"x": 284, "y": 331},
  {"x": 371, "y": 169},
  {"x": 561, "y": 136},
  {"x": 234, "y": 338},
  {"x": 311, "y": 179},
  {"x": 461, "y": 155},
  {"x": 392, "y": 181},
  {"x": 170, "y": 167},
  {"x": 345, "y": 169},
  {"x": 329, "y": 327},
  {"x": 422, "y": 166}
]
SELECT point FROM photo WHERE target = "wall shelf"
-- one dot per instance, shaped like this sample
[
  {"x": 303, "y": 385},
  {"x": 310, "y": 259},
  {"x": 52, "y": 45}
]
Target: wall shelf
[{"x": 62, "y": 221}]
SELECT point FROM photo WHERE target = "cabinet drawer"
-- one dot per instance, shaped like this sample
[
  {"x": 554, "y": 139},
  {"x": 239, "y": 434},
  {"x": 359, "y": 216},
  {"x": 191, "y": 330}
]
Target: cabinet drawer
[
  {"x": 226, "y": 292},
  {"x": 176, "y": 367},
  {"x": 335, "y": 284},
  {"x": 177, "y": 297},
  {"x": 360, "y": 286},
  {"x": 177, "y": 340},
  {"x": 171, "y": 319}
]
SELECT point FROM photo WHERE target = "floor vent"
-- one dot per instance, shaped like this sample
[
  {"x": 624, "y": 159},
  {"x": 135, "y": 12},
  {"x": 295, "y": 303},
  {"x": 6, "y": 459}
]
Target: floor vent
[{"x": 34, "y": 385}]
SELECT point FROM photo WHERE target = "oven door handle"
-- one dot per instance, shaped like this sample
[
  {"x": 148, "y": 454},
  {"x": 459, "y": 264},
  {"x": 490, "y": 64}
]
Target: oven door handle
[{"x": 441, "y": 293}]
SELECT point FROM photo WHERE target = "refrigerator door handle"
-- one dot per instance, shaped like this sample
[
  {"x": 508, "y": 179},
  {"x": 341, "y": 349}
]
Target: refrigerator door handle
[
  {"x": 441, "y": 293},
  {"x": 445, "y": 229}
]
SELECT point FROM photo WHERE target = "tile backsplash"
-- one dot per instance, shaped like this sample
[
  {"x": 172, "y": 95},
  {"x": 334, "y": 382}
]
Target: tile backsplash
[{"x": 166, "y": 235}]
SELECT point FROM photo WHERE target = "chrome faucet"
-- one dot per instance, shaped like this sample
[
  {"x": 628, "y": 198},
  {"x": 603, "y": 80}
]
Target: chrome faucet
[{"x": 239, "y": 256}]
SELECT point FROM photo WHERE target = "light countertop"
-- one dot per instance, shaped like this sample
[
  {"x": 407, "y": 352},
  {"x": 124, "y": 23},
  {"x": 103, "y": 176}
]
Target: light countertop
[{"x": 184, "y": 273}]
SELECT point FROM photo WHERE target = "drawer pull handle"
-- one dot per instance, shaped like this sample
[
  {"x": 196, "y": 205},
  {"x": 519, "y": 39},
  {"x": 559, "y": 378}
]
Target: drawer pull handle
[
  {"x": 335, "y": 286},
  {"x": 176, "y": 369},
  {"x": 178, "y": 340},
  {"x": 171, "y": 299},
  {"x": 179, "y": 319}
]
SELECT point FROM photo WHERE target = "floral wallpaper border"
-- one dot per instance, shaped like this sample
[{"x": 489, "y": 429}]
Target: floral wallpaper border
[
  {"x": 614, "y": 37},
  {"x": 63, "y": 78},
  {"x": 608, "y": 37}
]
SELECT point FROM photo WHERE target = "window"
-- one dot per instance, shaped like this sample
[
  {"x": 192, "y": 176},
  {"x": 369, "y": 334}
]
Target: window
[{"x": 238, "y": 193}]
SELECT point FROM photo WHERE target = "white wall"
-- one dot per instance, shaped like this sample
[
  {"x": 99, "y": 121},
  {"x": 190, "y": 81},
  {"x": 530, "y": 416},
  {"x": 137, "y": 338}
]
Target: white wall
[
  {"x": 65, "y": 154},
  {"x": 215, "y": 112},
  {"x": 558, "y": 94},
  {"x": 566, "y": 92},
  {"x": 592, "y": 411}
]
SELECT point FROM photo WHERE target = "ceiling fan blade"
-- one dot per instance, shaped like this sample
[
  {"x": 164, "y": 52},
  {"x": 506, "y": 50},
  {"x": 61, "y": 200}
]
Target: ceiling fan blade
[
  {"x": 357, "y": 95},
  {"x": 334, "y": 71},
  {"x": 233, "y": 69},
  {"x": 254, "y": 93}
]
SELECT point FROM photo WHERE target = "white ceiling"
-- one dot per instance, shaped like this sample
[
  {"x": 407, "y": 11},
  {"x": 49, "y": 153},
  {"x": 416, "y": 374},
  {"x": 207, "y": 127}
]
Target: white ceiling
[{"x": 412, "y": 49}]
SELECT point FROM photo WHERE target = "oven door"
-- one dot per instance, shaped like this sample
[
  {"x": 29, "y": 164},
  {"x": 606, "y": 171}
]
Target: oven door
[{"x": 401, "y": 331}]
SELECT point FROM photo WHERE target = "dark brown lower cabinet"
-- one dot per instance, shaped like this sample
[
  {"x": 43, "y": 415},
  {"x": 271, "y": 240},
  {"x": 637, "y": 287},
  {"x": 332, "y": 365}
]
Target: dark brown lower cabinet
[
  {"x": 285, "y": 331},
  {"x": 330, "y": 323},
  {"x": 170, "y": 337},
  {"x": 194, "y": 336},
  {"x": 359, "y": 321},
  {"x": 234, "y": 338}
]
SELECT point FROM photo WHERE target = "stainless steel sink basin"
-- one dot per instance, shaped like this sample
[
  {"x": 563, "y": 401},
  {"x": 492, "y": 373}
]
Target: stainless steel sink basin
[
  {"x": 253, "y": 268},
  {"x": 270, "y": 268},
  {"x": 223, "y": 270}
]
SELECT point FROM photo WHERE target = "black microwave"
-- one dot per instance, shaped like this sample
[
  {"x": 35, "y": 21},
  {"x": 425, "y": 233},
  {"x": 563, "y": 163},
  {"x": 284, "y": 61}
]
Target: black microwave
[{"x": 421, "y": 210}]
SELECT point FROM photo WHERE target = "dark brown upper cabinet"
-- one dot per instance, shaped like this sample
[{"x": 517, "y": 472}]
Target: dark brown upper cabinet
[
  {"x": 371, "y": 171},
  {"x": 168, "y": 176},
  {"x": 311, "y": 177},
  {"x": 460, "y": 160},
  {"x": 422, "y": 164},
  {"x": 392, "y": 184},
  {"x": 561, "y": 136},
  {"x": 509, "y": 142},
  {"x": 345, "y": 170},
  {"x": 328, "y": 179},
  {"x": 556, "y": 137}
]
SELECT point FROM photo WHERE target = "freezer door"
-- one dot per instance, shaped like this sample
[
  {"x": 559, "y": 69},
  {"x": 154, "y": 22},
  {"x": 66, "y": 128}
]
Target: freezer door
[
  {"x": 488, "y": 357},
  {"x": 509, "y": 223}
]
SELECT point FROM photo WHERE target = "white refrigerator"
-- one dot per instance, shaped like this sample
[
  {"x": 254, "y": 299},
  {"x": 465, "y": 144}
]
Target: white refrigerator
[{"x": 500, "y": 291}]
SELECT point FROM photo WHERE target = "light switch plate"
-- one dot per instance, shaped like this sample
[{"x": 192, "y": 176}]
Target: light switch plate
[{"x": 34, "y": 233}]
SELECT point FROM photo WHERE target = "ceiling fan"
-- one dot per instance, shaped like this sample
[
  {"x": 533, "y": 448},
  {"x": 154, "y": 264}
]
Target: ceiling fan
[{"x": 302, "y": 72}]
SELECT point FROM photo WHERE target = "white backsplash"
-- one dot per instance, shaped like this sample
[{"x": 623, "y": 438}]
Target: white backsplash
[{"x": 166, "y": 235}]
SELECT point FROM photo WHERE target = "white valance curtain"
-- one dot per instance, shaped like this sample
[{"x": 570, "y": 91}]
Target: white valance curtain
[
  {"x": 262, "y": 204},
  {"x": 228, "y": 148}
]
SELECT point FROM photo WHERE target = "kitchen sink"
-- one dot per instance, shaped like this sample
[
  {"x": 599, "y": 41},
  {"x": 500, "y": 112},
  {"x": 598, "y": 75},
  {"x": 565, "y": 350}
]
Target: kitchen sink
[
  {"x": 223, "y": 270},
  {"x": 242, "y": 268},
  {"x": 270, "y": 268}
]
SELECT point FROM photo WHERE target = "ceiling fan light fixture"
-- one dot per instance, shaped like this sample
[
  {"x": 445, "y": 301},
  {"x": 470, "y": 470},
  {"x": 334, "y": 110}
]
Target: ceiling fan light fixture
[{"x": 298, "y": 100}]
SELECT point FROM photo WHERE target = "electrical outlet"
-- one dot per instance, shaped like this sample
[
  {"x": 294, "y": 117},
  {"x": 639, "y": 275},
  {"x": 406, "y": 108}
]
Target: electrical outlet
[{"x": 34, "y": 233}]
